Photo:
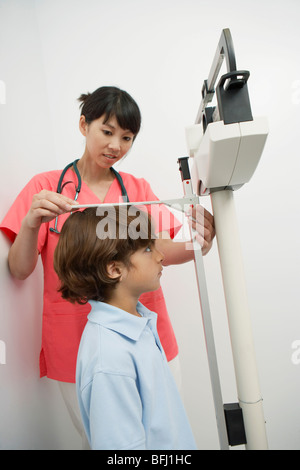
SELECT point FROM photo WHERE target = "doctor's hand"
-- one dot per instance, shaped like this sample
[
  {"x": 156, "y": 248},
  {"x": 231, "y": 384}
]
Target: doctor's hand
[
  {"x": 202, "y": 222},
  {"x": 45, "y": 206}
]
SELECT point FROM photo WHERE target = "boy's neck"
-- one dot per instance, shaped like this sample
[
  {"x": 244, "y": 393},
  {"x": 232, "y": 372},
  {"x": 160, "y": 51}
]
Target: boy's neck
[{"x": 124, "y": 302}]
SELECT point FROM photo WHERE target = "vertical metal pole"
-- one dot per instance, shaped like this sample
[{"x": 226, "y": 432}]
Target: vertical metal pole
[
  {"x": 206, "y": 318},
  {"x": 239, "y": 319},
  {"x": 210, "y": 347}
]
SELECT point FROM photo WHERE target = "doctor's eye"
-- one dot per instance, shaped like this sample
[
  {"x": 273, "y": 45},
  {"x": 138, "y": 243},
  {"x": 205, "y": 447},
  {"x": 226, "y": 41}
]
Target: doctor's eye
[
  {"x": 128, "y": 139},
  {"x": 105, "y": 132}
]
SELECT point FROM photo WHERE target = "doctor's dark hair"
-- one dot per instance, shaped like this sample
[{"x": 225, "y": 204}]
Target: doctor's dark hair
[
  {"x": 88, "y": 242},
  {"x": 109, "y": 102}
]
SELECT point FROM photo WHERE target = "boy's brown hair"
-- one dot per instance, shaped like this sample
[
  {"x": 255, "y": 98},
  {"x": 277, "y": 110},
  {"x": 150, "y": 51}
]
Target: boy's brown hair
[{"x": 89, "y": 242}]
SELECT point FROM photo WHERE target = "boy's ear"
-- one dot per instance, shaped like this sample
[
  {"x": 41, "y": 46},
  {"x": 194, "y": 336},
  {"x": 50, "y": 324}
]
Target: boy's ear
[{"x": 115, "y": 269}]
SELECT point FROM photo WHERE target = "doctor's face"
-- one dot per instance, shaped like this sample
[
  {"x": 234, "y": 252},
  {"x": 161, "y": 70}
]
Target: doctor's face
[{"x": 106, "y": 142}]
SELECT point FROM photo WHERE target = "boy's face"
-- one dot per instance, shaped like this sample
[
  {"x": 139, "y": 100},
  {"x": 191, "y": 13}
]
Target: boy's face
[{"x": 145, "y": 271}]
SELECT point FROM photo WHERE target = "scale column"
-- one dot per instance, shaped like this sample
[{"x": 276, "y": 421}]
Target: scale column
[
  {"x": 206, "y": 316},
  {"x": 239, "y": 319}
]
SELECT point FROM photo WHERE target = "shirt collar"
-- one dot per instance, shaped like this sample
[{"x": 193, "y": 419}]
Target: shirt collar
[{"x": 120, "y": 321}]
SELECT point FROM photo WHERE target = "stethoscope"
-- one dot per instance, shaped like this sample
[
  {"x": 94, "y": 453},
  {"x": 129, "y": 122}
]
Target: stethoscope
[{"x": 61, "y": 185}]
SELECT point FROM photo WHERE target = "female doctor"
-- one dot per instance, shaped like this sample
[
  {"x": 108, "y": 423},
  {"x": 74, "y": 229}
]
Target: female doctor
[{"x": 110, "y": 121}]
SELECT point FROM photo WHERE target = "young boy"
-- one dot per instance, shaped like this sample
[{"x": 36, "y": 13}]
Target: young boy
[{"x": 127, "y": 396}]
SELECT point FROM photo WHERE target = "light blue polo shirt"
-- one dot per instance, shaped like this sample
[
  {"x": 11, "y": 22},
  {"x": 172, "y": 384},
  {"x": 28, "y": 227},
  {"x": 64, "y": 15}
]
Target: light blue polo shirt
[{"x": 127, "y": 395}]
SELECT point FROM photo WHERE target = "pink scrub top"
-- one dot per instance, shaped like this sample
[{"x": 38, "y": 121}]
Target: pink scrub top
[{"x": 63, "y": 322}]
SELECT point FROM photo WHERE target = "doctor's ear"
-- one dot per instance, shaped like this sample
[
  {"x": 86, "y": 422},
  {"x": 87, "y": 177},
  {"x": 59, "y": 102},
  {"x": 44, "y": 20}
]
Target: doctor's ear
[
  {"x": 83, "y": 125},
  {"x": 115, "y": 270}
]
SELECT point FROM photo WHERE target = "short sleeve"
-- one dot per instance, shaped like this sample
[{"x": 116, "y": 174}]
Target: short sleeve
[{"x": 115, "y": 413}]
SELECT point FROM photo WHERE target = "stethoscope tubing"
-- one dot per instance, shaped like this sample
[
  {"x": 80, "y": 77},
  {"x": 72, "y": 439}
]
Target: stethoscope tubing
[
  {"x": 79, "y": 181},
  {"x": 60, "y": 186}
]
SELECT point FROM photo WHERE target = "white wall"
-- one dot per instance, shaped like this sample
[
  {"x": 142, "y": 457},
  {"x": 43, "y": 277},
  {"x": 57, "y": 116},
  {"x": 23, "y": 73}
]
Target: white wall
[
  {"x": 32, "y": 414},
  {"x": 160, "y": 52}
]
